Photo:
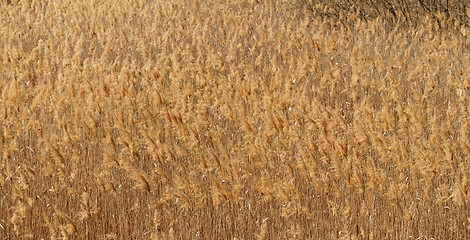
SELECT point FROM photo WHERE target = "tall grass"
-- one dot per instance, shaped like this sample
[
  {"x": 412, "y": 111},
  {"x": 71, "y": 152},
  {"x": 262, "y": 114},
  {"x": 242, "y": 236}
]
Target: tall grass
[{"x": 240, "y": 120}]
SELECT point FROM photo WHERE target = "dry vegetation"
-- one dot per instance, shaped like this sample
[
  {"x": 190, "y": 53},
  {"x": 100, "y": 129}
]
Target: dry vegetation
[
  {"x": 240, "y": 120},
  {"x": 411, "y": 10}
]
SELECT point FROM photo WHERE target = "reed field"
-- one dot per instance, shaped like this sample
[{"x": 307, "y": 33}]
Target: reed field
[{"x": 233, "y": 120}]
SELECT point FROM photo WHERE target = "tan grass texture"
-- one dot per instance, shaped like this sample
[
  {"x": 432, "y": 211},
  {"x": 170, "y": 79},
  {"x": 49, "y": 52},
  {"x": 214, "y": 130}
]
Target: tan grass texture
[{"x": 238, "y": 120}]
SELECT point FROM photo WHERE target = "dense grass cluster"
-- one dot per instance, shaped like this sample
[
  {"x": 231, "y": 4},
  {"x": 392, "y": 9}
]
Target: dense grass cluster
[
  {"x": 442, "y": 11},
  {"x": 239, "y": 120}
]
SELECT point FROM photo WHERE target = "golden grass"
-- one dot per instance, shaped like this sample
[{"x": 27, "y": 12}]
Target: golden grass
[{"x": 240, "y": 120}]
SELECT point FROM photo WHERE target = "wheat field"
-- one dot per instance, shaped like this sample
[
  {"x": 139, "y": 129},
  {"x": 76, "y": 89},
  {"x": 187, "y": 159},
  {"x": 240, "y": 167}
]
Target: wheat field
[{"x": 238, "y": 120}]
